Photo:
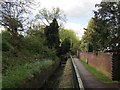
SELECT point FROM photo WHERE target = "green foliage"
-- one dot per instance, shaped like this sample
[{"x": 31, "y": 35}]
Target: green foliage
[
  {"x": 102, "y": 32},
  {"x": 15, "y": 76},
  {"x": 19, "y": 65},
  {"x": 107, "y": 25},
  {"x": 86, "y": 42},
  {"x": 74, "y": 41},
  {"x": 33, "y": 44},
  {"x": 6, "y": 44},
  {"x": 65, "y": 46},
  {"x": 25, "y": 55},
  {"x": 83, "y": 45},
  {"x": 52, "y": 35},
  {"x": 11, "y": 16},
  {"x": 36, "y": 44}
]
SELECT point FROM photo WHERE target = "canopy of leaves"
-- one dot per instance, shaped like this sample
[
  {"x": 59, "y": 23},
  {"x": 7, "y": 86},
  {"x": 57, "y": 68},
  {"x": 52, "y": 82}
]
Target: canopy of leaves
[
  {"x": 65, "y": 46},
  {"x": 12, "y": 15},
  {"x": 107, "y": 18},
  {"x": 103, "y": 29},
  {"x": 52, "y": 35},
  {"x": 74, "y": 41}
]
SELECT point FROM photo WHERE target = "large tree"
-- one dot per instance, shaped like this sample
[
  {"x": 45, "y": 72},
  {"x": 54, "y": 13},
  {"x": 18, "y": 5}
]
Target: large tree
[
  {"x": 74, "y": 41},
  {"x": 51, "y": 21},
  {"x": 65, "y": 46},
  {"x": 13, "y": 14},
  {"x": 103, "y": 31},
  {"x": 46, "y": 16},
  {"x": 52, "y": 35},
  {"x": 107, "y": 19},
  {"x": 86, "y": 39}
]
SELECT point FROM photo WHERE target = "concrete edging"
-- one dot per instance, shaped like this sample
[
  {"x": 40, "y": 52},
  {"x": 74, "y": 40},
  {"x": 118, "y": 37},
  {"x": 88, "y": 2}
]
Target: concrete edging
[{"x": 78, "y": 76}]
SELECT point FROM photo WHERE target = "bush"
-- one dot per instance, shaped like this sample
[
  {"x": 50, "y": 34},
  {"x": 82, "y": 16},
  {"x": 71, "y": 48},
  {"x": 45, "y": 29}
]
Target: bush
[
  {"x": 20, "y": 63},
  {"x": 36, "y": 45},
  {"x": 6, "y": 44},
  {"x": 14, "y": 77}
]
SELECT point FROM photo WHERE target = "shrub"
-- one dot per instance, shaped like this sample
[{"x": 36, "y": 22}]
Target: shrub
[
  {"x": 14, "y": 77},
  {"x": 6, "y": 45}
]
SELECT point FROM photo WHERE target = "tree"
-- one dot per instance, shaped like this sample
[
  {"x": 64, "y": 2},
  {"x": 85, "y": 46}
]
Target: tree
[
  {"x": 95, "y": 35},
  {"x": 51, "y": 29},
  {"x": 65, "y": 46},
  {"x": 88, "y": 35},
  {"x": 103, "y": 29},
  {"x": 46, "y": 16},
  {"x": 10, "y": 14},
  {"x": 14, "y": 16},
  {"x": 52, "y": 35},
  {"x": 74, "y": 41},
  {"x": 108, "y": 13}
]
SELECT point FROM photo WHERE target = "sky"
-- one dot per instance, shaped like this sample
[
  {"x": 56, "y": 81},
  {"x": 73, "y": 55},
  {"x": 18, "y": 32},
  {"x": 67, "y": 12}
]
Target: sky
[{"x": 78, "y": 12}]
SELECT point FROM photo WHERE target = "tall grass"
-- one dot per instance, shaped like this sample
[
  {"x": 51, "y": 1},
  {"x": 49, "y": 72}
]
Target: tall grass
[
  {"x": 23, "y": 57},
  {"x": 14, "y": 77}
]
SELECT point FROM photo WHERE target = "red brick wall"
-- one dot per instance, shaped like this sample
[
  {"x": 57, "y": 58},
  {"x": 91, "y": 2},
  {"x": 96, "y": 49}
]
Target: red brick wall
[{"x": 101, "y": 62}]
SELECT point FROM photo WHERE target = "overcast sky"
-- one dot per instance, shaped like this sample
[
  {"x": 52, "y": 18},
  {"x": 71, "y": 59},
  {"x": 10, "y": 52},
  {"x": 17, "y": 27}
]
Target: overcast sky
[{"x": 78, "y": 12}]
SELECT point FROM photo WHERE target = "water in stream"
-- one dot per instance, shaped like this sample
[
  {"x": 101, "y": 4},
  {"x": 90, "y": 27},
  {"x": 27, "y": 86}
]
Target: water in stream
[{"x": 54, "y": 80}]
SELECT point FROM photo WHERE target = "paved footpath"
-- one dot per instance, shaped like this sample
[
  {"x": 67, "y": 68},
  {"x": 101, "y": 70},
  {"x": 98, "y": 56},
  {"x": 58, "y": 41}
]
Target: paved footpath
[{"x": 90, "y": 82}]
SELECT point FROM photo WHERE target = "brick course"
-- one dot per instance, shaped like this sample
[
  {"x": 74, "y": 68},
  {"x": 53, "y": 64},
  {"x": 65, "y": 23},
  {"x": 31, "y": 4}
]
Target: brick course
[{"x": 101, "y": 61}]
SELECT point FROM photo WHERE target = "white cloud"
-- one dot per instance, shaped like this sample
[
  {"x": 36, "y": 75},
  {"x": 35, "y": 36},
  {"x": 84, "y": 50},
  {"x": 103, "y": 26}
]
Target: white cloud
[{"x": 73, "y": 8}]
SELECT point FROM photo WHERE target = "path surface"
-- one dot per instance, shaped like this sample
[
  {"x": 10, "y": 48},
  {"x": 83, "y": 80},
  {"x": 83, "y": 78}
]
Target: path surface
[{"x": 89, "y": 81}]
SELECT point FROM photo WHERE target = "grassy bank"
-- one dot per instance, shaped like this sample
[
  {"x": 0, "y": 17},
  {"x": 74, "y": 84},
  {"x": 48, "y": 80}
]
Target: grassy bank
[
  {"x": 54, "y": 80},
  {"x": 67, "y": 77},
  {"x": 96, "y": 73},
  {"x": 16, "y": 76},
  {"x": 24, "y": 57}
]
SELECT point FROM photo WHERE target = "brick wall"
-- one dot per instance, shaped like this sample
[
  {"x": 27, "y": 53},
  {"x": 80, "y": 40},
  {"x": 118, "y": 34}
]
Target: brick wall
[{"x": 101, "y": 61}]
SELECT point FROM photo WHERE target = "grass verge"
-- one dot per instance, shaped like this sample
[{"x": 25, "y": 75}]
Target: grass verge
[
  {"x": 97, "y": 74},
  {"x": 14, "y": 77}
]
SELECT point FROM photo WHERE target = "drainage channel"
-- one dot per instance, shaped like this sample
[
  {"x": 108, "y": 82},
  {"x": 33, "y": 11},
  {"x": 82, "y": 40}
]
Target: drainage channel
[
  {"x": 61, "y": 74},
  {"x": 54, "y": 80}
]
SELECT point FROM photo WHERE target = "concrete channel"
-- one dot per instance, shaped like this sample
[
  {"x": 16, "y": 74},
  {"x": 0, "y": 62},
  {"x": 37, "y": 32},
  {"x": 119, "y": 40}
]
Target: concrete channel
[{"x": 54, "y": 79}]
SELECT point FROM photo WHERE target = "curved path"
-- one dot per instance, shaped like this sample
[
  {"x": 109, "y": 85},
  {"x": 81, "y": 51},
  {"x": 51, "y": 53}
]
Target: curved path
[{"x": 89, "y": 81}]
